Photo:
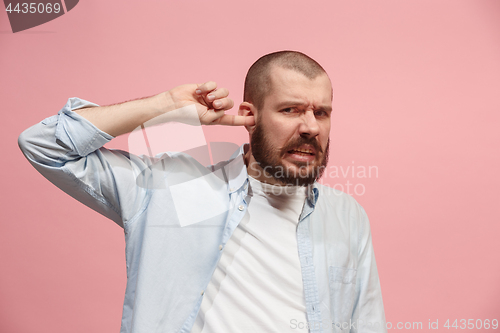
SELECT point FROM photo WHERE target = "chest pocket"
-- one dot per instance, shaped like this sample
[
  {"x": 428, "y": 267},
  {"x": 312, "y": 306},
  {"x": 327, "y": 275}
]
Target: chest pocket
[{"x": 342, "y": 293}]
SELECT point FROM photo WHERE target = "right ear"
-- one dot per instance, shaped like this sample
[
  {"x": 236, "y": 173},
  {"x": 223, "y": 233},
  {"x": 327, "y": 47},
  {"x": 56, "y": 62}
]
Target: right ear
[{"x": 247, "y": 109}]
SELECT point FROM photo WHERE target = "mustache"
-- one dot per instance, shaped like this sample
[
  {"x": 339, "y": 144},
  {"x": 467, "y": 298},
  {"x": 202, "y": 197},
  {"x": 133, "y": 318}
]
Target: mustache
[{"x": 302, "y": 141}]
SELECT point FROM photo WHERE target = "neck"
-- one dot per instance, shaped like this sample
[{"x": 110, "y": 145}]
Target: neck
[{"x": 256, "y": 171}]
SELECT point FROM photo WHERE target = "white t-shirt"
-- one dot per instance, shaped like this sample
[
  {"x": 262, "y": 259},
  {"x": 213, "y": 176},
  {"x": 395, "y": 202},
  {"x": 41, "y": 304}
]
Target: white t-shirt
[{"x": 257, "y": 285}]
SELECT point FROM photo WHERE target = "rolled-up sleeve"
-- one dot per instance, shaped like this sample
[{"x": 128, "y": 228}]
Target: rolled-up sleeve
[{"x": 67, "y": 150}]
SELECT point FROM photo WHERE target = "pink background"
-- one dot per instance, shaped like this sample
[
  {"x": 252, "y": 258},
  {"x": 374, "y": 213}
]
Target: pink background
[{"x": 416, "y": 95}]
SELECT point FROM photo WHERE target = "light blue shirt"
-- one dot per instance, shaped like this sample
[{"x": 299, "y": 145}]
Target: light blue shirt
[{"x": 178, "y": 215}]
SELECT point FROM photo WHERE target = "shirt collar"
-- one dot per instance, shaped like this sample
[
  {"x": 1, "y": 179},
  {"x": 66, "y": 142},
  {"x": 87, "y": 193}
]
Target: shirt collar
[
  {"x": 236, "y": 169},
  {"x": 312, "y": 194}
]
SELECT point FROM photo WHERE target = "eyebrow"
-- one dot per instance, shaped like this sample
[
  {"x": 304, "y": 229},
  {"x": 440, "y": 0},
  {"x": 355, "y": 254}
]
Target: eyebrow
[{"x": 282, "y": 105}]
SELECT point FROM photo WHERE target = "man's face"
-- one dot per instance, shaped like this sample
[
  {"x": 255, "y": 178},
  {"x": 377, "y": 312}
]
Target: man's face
[{"x": 290, "y": 140}]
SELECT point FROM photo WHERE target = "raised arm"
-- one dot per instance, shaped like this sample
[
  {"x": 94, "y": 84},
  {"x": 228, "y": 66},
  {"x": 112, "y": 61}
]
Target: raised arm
[
  {"x": 67, "y": 148},
  {"x": 210, "y": 102}
]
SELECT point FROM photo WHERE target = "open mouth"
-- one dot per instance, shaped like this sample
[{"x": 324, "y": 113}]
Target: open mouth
[
  {"x": 303, "y": 153},
  {"x": 307, "y": 152}
]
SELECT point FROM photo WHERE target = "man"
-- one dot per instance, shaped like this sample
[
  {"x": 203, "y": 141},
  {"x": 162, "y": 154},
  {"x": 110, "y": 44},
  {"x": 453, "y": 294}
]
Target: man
[{"x": 252, "y": 244}]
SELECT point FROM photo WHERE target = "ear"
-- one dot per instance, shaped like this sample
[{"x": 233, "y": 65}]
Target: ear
[{"x": 247, "y": 109}]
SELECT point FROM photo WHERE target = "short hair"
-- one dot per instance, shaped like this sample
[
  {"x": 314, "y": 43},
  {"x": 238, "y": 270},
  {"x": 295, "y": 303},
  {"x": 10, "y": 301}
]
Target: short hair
[{"x": 258, "y": 79}]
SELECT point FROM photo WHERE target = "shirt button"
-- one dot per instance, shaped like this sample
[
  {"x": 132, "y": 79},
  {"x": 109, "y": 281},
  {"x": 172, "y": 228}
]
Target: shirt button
[
  {"x": 241, "y": 207},
  {"x": 220, "y": 247},
  {"x": 202, "y": 292}
]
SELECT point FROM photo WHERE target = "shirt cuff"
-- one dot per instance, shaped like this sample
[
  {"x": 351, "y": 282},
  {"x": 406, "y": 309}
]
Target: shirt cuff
[{"x": 78, "y": 133}]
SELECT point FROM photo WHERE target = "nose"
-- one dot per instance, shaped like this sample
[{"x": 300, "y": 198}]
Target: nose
[{"x": 309, "y": 126}]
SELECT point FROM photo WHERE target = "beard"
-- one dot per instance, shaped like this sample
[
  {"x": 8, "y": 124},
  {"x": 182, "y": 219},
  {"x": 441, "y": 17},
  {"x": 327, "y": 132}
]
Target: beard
[{"x": 270, "y": 159}]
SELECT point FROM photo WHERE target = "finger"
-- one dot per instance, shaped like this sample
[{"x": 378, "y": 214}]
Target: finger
[
  {"x": 217, "y": 94},
  {"x": 206, "y": 87},
  {"x": 223, "y": 104},
  {"x": 211, "y": 116},
  {"x": 232, "y": 120}
]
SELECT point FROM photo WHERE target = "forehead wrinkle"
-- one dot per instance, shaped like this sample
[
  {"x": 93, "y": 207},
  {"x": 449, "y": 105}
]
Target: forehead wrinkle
[
  {"x": 296, "y": 102},
  {"x": 292, "y": 103},
  {"x": 293, "y": 82}
]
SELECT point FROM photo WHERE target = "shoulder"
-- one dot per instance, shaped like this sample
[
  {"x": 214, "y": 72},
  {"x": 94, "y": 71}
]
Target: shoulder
[
  {"x": 341, "y": 207},
  {"x": 333, "y": 198}
]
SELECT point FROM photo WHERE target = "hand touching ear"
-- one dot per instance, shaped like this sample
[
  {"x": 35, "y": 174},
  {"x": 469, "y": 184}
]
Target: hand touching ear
[{"x": 211, "y": 104}]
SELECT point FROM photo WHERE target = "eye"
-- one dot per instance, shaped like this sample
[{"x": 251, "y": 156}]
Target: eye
[
  {"x": 321, "y": 113},
  {"x": 289, "y": 110}
]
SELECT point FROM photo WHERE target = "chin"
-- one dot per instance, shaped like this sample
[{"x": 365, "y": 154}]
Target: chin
[{"x": 297, "y": 176}]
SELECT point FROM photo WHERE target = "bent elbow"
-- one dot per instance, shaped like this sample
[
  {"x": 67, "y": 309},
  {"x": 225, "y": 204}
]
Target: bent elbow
[
  {"x": 39, "y": 145},
  {"x": 26, "y": 143}
]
